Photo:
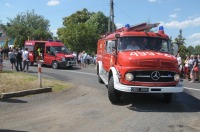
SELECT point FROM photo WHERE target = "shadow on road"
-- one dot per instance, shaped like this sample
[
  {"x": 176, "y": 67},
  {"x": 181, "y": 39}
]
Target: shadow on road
[
  {"x": 12, "y": 100},
  {"x": 6, "y": 130},
  {"x": 181, "y": 102}
]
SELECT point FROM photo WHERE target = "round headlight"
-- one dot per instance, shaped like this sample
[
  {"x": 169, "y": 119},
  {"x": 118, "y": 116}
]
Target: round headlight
[
  {"x": 177, "y": 77},
  {"x": 129, "y": 76},
  {"x": 63, "y": 59}
]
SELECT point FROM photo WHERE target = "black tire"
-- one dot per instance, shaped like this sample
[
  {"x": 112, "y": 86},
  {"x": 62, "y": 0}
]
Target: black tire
[
  {"x": 113, "y": 95},
  {"x": 69, "y": 67},
  {"x": 99, "y": 78},
  {"x": 167, "y": 97},
  {"x": 54, "y": 65}
]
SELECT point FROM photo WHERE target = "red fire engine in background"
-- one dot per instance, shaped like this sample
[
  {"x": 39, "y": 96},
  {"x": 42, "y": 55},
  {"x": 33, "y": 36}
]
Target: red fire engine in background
[
  {"x": 54, "y": 53},
  {"x": 149, "y": 68}
]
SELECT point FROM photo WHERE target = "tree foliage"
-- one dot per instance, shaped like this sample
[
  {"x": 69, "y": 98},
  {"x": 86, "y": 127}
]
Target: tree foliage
[
  {"x": 82, "y": 29},
  {"x": 180, "y": 40},
  {"x": 15, "y": 45},
  {"x": 28, "y": 24},
  {"x": 197, "y": 49},
  {"x": 190, "y": 50},
  {"x": 6, "y": 44}
]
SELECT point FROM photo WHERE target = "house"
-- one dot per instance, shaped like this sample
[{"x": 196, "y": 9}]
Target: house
[{"x": 3, "y": 38}]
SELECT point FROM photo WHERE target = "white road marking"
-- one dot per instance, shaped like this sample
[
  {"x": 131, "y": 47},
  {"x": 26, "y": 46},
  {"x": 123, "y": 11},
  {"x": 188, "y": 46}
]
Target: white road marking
[
  {"x": 191, "y": 88},
  {"x": 82, "y": 73}
]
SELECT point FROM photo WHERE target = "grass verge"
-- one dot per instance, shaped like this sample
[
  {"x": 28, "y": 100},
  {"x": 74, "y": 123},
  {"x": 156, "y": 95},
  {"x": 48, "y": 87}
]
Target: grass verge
[{"x": 17, "y": 81}]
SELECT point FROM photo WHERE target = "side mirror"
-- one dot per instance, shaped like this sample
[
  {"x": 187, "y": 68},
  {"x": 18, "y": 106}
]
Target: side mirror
[
  {"x": 117, "y": 35},
  {"x": 174, "y": 48}
]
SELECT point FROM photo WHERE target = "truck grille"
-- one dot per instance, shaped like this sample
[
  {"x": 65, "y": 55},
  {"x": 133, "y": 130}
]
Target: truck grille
[
  {"x": 69, "y": 59},
  {"x": 153, "y": 76}
]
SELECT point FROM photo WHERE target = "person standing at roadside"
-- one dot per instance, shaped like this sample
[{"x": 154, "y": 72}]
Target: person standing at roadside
[
  {"x": 18, "y": 60},
  {"x": 1, "y": 62},
  {"x": 195, "y": 71},
  {"x": 25, "y": 59},
  {"x": 11, "y": 56},
  {"x": 84, "y": 59},
  {"x": 186, "y": 64},
  {"x": 190, "y": 65}
]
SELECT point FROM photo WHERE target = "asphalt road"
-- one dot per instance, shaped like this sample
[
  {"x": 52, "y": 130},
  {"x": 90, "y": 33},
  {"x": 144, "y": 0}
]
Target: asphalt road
[{"x": 86, "y": 108}]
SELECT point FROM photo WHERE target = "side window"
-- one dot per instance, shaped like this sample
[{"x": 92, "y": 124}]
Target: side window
[
  {"x": 109, "y": 46},
  {"x": 48, "y": 49},
  {"x": 30, "y": 48},
  {"x": 164, "y": 46}
]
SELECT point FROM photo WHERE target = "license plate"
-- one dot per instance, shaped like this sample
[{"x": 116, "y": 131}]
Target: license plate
[{"x": 135, "y": 89}]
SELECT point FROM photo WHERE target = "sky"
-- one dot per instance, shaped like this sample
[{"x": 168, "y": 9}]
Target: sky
[{"x": 172, "y": 14}]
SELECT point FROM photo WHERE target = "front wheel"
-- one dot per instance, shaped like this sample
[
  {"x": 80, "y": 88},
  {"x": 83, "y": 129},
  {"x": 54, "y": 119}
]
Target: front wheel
[
  {"x": 113, "y": 94},
  {"x": 55, "y": 65}
]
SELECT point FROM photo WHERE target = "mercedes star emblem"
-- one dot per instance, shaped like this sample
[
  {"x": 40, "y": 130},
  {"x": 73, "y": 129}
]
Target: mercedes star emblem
[{"x": 155, "y": 75}]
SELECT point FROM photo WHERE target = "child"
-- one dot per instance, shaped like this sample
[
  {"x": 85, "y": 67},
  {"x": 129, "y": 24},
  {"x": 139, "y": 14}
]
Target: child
[{"x": 1, "y": 63}]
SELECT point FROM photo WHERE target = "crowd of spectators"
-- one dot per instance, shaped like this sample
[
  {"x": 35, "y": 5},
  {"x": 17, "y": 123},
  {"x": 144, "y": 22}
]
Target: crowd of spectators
[
  {"x": 190, "y": 68},
  {"x": 84, "y": 59},
  {"x": 16, "y": 56}
]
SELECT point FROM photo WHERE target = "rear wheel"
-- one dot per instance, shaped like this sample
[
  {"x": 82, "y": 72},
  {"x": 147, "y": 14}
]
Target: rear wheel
[
  {"x": 55, "y": 65},
  {"x": 167, "y": 97},
  {"x": 113, "y": 94}
]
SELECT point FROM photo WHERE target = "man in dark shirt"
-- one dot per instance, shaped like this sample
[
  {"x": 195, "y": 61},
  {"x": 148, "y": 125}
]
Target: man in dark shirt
[{"x": 18, "y": 60}]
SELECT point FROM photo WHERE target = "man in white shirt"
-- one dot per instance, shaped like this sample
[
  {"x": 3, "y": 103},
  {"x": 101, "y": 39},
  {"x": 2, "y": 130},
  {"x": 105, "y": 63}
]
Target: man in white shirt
[
  {"x": 25, "y": 59},
  {"x": 132, "y": 46}
]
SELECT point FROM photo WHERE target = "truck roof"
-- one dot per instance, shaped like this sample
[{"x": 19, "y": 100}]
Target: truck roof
[
  {"x": 140, "y": 30},
  {"x": 47, "y": 43}
]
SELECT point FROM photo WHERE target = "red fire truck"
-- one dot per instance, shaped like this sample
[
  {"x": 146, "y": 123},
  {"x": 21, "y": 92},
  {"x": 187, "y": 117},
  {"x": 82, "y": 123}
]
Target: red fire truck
[
  {"x": 137, "y": 60},
  {"x": 54, "y": 53}
]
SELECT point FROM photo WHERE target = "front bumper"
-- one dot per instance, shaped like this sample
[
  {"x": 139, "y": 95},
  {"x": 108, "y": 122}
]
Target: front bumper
[
  {"x": 144, "y": 89},
  {"x": 67, "y": 63}
]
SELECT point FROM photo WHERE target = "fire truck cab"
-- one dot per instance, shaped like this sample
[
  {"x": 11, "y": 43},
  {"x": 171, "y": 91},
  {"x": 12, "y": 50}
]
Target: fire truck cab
[
  {"x": 54, "y": 53},
  {"x": 137, "y": 60}
]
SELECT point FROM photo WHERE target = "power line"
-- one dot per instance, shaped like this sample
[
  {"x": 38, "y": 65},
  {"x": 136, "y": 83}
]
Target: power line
[{"x": 131, "y": 18}]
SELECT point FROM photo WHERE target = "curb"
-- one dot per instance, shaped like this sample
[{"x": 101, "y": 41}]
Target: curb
[{"x": 25, "y": 92}]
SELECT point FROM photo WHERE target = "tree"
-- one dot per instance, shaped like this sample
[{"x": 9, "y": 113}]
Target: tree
[
  {"x": 82, "y": 29},
  {"x": 100, "y": 21},
  {"x": 197, "y": 49},
  {"x": 183, "y": 51},
  {"x": 191, "y": 50},
  {"x": 15, "y": 45},
  {"x": 28, "y": 24},
  {"x": 180, "y": 40},
  {"x": 6, "y": 44}
]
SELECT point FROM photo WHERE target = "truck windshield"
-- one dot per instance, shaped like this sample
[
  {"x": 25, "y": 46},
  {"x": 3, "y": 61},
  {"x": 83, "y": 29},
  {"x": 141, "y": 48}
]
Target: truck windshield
[
  {"x": 59, "y": 49},
  {"x": 144, "y": 43}
]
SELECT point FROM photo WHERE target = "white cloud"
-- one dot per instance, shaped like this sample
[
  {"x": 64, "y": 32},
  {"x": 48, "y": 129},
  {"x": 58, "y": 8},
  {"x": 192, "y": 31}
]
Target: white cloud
[
  {"x": 173, "y": 15},
  {"x": 53, "y": 2},
  {"x": 54, "y": 32},
  {"x": 193, "y": 39},
  {"x": 186, "y": 23},
  {"x": 7, "y": 4},
  {"x": 119, "y": 25},
  {"x": 194, "y": 36},
  {"x": 152, "y": 0}
]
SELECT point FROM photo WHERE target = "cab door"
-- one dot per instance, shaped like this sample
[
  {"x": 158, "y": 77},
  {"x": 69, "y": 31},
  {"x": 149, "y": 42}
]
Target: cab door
[
  {"x": 49, "y": 55},
  {"x": 108, "y": 53}
]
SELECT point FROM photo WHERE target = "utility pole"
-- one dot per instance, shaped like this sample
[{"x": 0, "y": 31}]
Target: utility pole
[{"x": 111, "y": 26}]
